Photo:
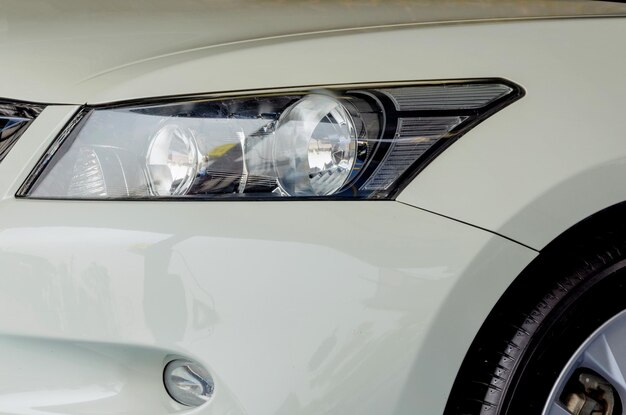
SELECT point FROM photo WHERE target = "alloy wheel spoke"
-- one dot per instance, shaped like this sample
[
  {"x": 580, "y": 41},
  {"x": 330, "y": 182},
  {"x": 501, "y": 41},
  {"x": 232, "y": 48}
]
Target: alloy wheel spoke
[
  {"x": 603, "y": 354},
  {"x": 557, "y": 409},
  {"x": 607, "y": 356}
]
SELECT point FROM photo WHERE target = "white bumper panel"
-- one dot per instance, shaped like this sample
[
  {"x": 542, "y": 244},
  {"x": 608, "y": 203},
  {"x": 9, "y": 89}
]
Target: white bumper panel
[
  {"x": 529, "y": 172},
  {"x": 295, "y": 308}
]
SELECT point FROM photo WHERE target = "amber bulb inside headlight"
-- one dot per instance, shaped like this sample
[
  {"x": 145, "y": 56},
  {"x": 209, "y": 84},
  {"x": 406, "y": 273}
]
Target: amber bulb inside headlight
[
  {"x": 315, "y": 146},
  {"x": 172, "y": 161}
]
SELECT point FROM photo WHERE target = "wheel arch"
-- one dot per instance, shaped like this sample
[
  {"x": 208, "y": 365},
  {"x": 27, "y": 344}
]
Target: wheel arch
[{"x": 605, "y": 227}]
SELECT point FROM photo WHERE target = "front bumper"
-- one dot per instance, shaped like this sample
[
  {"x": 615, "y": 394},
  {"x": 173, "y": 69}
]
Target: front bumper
[{"x": 294, "y": 307}]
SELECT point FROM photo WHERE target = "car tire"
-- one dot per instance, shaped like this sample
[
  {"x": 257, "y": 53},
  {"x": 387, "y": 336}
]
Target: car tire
[{"x": 521, "y": 352}]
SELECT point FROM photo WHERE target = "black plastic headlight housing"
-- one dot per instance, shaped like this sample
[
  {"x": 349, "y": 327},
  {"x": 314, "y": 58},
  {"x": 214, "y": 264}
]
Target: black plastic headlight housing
[{"x": 342, "y": 142}]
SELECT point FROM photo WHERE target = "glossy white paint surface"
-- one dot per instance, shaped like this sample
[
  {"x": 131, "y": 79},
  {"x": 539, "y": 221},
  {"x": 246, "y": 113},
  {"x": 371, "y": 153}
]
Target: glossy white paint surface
[
  {"x": 72, "y": 51},
  {"x": 551, "y": 159},
  {"x": 295, "y": 308},
  {"x": 308, "y": 308},
  {"x": 70, "y": 377}
]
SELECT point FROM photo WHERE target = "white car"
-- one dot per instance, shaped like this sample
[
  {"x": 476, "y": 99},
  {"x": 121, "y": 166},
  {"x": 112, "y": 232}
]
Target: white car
[{"x": 312, "y": 207}]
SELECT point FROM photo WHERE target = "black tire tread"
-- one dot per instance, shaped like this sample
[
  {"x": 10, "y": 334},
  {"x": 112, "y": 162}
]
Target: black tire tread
[{"x": 506, "y": 335}]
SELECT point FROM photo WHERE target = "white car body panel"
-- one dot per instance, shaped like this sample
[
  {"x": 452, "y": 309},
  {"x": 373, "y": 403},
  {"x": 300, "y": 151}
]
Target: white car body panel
[
  {"x": 294, "y": 307},
  {"x": 551, "y": 159},
  {"x": 72, "y": 51},
  {"x": 352, "y": 331}
]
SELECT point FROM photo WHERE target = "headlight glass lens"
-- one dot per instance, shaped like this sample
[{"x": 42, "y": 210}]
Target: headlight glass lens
[
  {"x": 315, "y": 146},
  {"x": 172, "y": 161},
  {"x": 362, "y": 143}
]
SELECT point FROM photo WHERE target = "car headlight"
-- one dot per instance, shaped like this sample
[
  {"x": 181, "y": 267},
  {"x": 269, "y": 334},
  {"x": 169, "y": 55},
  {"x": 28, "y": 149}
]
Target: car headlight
[{"x": 362, "y": 142}]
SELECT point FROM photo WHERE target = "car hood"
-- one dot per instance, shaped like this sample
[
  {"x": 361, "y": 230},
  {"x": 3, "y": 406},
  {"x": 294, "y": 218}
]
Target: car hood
[{"x": 76, "y": 51}]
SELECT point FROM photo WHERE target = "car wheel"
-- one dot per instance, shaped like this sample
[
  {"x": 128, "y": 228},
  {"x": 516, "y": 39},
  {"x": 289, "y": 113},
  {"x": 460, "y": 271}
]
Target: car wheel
[{"x": 556, "y": 343}]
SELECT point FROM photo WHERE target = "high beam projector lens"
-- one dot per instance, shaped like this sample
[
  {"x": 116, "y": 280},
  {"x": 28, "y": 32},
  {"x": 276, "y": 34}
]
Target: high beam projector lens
[
  {"x": 315, "y": 146},
  {"x": 172, "y": 161}
]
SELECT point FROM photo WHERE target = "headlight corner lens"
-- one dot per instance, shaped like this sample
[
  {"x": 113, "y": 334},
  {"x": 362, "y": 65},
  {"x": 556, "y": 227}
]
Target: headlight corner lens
[{"x": 315, "y": 146}]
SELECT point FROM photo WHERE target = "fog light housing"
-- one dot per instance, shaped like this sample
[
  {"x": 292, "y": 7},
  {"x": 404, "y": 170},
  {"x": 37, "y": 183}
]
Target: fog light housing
[{"x": 188, "y": 383}]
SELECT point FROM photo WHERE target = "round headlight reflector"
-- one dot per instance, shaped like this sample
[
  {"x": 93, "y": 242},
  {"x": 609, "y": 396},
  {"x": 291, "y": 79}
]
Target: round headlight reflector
[
  {"x": 315, "y": 146},
  {"x": 172, "y": 161}
]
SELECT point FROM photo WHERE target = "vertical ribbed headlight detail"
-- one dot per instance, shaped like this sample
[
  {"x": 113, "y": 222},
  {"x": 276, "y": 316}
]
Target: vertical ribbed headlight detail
[
  {"x": 356, "y": 142},
  {"x": 413, "y": 138}
]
